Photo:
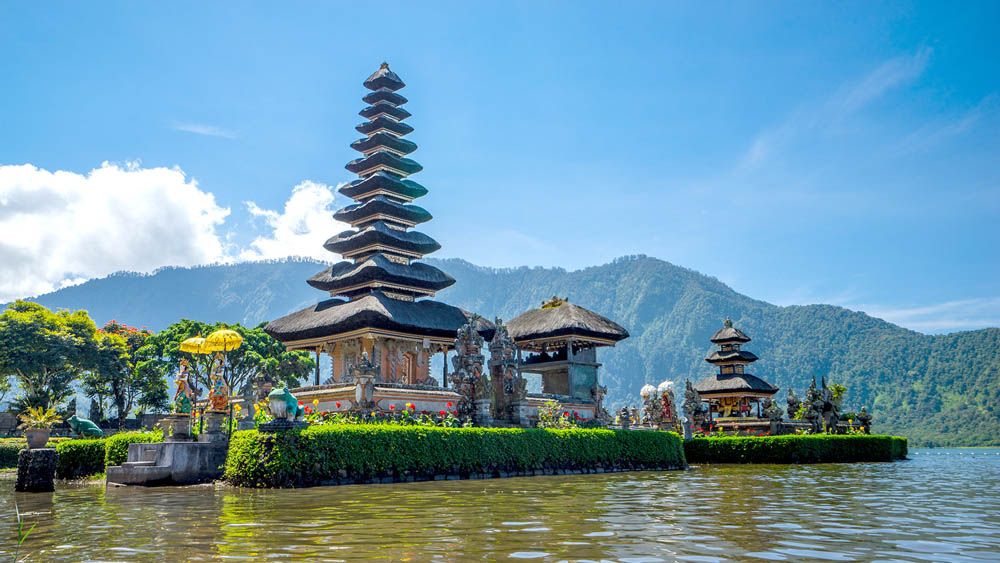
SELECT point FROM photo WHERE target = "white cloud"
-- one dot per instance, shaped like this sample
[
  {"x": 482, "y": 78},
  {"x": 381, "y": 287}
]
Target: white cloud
[
  {"x": 963, "y": 314},
  {"x": 59, "y": 228},
  {"x": 300, "y": 229},
  {"x": 204, "y": 129}
]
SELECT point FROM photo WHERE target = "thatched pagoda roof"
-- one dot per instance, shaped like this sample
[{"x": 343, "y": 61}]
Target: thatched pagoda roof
[
  {"x": 416, "y": 275},
  {"x": 728, "y": 333},
  {"x": 375, "y": 310},
  {"x": 384, "y": 78},
  {"x": 736, "y": 382},
  {"x": 731, "y": 357},
  {"x": 559, "y": 317}
]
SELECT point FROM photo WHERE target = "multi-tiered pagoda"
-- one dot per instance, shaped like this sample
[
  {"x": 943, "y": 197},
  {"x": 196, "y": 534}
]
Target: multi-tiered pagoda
[
  {"x": 733, "y": 394},
  {"x": 379, "y": 295}
]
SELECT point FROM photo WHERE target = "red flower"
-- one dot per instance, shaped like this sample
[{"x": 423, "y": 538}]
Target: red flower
[
  {"x": 449, "y": 404},
  {"x": 392, "y": 407},
  {"x": 442, "y": 413},
  {"x": 308, "y": 409},
  {"x": 454, "y": 413},
  {"x": 565, "y": 414},
  {"x": 338, "y": 404}
]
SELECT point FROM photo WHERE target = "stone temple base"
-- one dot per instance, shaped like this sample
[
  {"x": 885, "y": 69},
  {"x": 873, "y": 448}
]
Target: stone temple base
[
  {"x": 171, "y": 463},
  {"x": 36, "y": 470}
]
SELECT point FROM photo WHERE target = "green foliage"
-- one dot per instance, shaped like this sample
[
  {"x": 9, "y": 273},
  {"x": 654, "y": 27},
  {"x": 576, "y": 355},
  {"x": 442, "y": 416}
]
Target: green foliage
[
  {"x": 121, "y": 372},
  {"x": 320, "y": 453},
  {"x": 45, "y": 351},
  {"x": 80, "y": 458},
  {"x": 815, "y": 448},
  {"x": 552, "y": 415},
  {"x": 116, "y": 447},
  {"x": 259, "y": 356},
  {"x": 8, "y": 453},
  {"x": 38, "y": 417}
]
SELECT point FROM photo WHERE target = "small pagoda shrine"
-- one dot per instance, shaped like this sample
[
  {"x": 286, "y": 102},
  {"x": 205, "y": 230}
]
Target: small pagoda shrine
[
  {"x": 733, "y": 395},
  {"x": 561, "y": 341},
  {"x": 379, "y": 309}
]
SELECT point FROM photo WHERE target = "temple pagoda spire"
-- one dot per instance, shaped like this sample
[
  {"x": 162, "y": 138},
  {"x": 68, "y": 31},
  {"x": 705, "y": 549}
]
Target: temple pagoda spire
[{"x": 380, "y": 249}]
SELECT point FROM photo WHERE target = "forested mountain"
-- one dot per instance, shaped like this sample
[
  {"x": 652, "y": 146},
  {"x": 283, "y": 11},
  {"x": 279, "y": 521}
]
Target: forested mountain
[{"x": 936, "y": 389}]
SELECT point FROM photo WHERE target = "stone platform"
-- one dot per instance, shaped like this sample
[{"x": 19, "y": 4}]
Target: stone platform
[{"x": 171, "y": 463}]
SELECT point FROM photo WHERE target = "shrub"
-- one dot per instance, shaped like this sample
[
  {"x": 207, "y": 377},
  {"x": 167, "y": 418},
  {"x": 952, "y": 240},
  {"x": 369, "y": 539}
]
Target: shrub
[
  {"x": 79, "y": 458},
  {"x": 8, "y": 453},
  {"x": 811, "y": 448},
  {"x": 327, "y": 453},
  {"x": 116, "y": 447}
]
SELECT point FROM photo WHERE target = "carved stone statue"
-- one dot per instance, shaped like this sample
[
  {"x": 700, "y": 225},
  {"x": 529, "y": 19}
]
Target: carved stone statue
[
  {"x": 183, "y": 397},
  {"x": 284, "y": 405},
  {"x": 658, "y": 405},
  {"x": 363, "y": 375},
  {"x": 814, "y": 408},
  {"x": 467, "y": 379},
  {"x": 509, "y": 388},
  {"x": 865, "y": 420},
  {"x": 829, "y": 411},
  {"x": 84, "y": 428},
  {"x": 771, "y": 410},
  {"x": 695, "y": 409},
  {"x": 793, "y": 404}
]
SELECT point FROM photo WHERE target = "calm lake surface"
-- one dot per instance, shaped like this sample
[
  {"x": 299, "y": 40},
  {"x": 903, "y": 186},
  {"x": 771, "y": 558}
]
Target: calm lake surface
[{"x": 942, "y": 505}]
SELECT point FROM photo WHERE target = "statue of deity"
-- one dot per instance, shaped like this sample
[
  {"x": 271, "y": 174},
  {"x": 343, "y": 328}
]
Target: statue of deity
[
  {"x": 771, "y": 410},
  {"x": 183, "y": 397},
  {"x": 865, "y": 420},
  {"x": 694, "y": 408},
  {"x": 218, "y": 395},
  {"x": 793, "y": 404},
  {"x": 814, "y": 408}
]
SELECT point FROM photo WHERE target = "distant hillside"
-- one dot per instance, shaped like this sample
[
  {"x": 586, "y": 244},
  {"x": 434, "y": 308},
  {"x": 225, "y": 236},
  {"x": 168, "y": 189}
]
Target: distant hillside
[{"x": 936, "y": 389}]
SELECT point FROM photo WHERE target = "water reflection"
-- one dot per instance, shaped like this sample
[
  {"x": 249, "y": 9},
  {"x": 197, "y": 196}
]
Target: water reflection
[{"x": 942, "y": 505}]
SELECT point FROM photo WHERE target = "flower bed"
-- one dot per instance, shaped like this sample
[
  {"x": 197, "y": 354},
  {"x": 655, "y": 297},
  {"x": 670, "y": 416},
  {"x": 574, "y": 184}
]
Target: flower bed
[
  {"x": 812, "y": 448},
  {"x": 335, "y": 454}
]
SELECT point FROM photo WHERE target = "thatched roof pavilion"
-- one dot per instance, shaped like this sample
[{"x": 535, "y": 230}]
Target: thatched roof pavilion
[{"x": 732, "y": 392}]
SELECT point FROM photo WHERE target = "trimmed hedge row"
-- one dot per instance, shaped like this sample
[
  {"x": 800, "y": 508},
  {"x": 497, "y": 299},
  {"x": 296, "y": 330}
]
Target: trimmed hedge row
[
  {"x": 9, "y": 452},
  {"x": 810, "y": 448},
  {"x": 116, "y": 446},
  {"x": 327, "y": 454},
  {"x": 79, "y": 458}
]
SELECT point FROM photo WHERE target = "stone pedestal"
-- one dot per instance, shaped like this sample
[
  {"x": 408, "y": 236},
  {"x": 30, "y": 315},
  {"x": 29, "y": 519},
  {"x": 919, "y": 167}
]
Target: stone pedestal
[
  {"x": 483, "y": 416},
  {"x": 36, "y": 470},
  {"x": 212, "y": 431},
  {"x": 177, "y": 428},
  {"x": 246, "y": 424},
  {"x": 281, "y": 424}
]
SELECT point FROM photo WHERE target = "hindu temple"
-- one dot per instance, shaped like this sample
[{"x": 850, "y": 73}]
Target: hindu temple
[
  {"x": 381, "y": 326},
  {"x": 734, "y": 396}
]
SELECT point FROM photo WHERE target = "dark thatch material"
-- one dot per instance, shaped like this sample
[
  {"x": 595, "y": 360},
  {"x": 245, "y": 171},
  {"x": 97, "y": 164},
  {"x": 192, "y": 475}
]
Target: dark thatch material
[
  {"x": 382, "y": 205},
  {"x": 383, "y": 122},
  {"x": 384, "y": 95},
  {"x": 379, "y": 268},
  {"x": 407, "y": 189},
  {"x": 375, "y": 310},
  {"x": 731, "y": 356},
  {"x": 384, "y": 78},
  {"x": 728, "y": 334},
  {"x": 383, "y": 139},
  {"x": 736, "y": 382},
  {"x": 403, "y": 166},
  {"x": 373, "y": 111},
  {"x": 380, "y": 233},
  {"x": 566, "y": 319}
]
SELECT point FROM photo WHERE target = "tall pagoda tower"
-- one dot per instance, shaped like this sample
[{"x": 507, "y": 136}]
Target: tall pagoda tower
[
  {"x": 379, "y": 295},
  {"x": 733, "y": 393}
]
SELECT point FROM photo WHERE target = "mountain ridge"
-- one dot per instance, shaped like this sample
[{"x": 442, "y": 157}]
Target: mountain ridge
[{"x": 939, "y": 389}]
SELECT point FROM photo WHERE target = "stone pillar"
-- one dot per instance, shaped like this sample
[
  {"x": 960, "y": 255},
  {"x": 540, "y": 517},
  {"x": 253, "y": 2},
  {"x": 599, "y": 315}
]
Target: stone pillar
[
  {"x": 338, "y": 362},
  {"x": 36, "y": 470},
  {"x": 444, "y": 370},
  {"x": 212, "y": 432}
]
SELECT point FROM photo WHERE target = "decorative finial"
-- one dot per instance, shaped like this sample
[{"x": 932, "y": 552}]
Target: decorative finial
[
  {"x": 384, "y": 66},
  {"x": 554, "y": 302},
  {"x": 728, "y": 323}
]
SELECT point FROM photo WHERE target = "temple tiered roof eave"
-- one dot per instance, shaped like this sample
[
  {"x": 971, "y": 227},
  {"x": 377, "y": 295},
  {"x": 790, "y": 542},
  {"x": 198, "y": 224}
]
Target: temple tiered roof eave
[
  {"x": 348, "y": 277},
  {"x": 379, "y": 234},
  {"x": 731, "y": 357},
  {"x": 384, "y": 160},
  {"x": 383, "y": 123},
  {"x": 383, "y": 78},
  {"x": 381, "y": 183},
  {"x": 737, "y": 383},
  {"x": 384, "y": 141},
  {"x": 565, "y": 320},
  {"x": 380, "y": 207}
]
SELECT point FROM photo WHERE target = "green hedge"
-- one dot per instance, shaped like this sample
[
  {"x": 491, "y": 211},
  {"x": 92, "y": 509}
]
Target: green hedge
[
  {"x": 357, "y": 453},
  {"x": 8, "y": 453},
  {"x": 116, "y": 446},
  {"x": 80, "y": 458},
  {"x": 817, "y": 448}
]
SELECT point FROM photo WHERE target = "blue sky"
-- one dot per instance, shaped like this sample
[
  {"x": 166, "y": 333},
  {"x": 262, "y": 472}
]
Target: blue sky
[{"x": 844, "y": 153}]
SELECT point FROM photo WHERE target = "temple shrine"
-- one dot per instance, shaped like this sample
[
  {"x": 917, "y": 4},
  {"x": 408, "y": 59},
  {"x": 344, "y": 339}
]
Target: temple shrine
[
  {"x": 380, "y": 326},
  {"x": 736, "y": 399}
]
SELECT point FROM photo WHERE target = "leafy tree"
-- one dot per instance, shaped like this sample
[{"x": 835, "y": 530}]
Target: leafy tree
[
  {"x": 259, "y": 356},
  {"x": 5, "y": 387},
  {"x": 45, "y": 351},
  {"x": 121, "y": 372}
]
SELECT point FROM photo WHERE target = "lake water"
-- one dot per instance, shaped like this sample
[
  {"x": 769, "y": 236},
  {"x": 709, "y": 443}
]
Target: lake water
[{"x": 942, "y": 505}]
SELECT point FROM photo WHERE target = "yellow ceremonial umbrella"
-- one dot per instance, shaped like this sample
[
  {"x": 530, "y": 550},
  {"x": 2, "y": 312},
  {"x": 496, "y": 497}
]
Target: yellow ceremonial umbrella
[
  {"x": 194, "y": 345},
  {"x": 224, "y": 340}
]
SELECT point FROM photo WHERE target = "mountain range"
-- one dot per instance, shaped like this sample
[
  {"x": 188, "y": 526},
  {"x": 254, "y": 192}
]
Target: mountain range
[{"x": 936, "y": 389}]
